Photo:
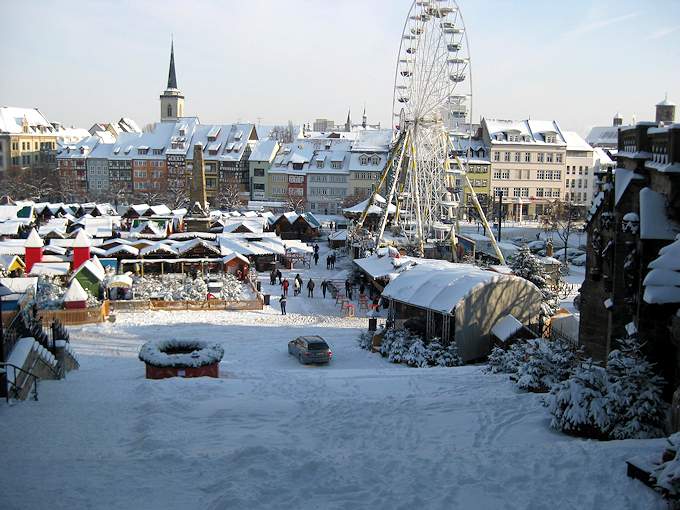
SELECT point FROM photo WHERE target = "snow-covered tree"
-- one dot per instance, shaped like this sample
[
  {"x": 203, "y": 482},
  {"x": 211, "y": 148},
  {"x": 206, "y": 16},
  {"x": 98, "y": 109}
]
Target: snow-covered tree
[
  {"x": 444, "y": 356},
  {"x": 634, "y": 402},
  {"x": 418, "y": 355},
  {"x": 400, "y": 345},
  {"x": 529, "y": 267},
  {"x": 548, "y": 362},
  {"x": 365, "y": 340},
  {"x": 579, "y": 404},
  {"x": 507, "y": 361}
]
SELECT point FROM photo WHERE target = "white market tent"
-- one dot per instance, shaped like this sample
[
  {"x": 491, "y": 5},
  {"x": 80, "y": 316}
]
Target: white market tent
[
  {"x": 461, "y": 302},
  {"x": 120, "y": 280}
]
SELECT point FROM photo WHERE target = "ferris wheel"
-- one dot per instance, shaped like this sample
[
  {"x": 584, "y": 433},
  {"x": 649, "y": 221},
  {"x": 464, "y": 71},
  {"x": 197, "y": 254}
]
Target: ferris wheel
[{"x": 432, "y": 108}]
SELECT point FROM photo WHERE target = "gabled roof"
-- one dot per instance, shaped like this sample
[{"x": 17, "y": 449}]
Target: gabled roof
[{"x": 75, "y": 292}]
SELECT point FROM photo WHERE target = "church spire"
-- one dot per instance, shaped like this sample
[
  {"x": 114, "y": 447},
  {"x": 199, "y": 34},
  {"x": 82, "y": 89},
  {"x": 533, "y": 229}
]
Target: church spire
[
  {"x": 348, "y": 122},
  {"x": 363, "y": 118},
  {"x": 172, "y": 79}
]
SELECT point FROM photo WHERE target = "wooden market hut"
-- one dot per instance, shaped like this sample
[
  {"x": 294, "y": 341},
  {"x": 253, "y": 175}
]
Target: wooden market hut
[
  {"x": 76, "y": 296},
  {"x": 460, "y": 303}
]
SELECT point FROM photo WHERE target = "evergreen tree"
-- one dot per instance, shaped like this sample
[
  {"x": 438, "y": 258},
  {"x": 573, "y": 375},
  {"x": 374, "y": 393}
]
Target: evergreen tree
[
  {"x": 507, "y": 361},
  {"x": 528, "y": 266},
  {"x": 418, "y": 355},
  {"x": 579, "y": 404},
  {"x": 548, "y": 362},
  {"x": 634, "y": 401}
]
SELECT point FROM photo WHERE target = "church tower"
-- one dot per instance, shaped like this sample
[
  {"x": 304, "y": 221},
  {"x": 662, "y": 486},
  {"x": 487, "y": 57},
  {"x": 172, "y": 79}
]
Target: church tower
[
  {"x": 364, "y": 119},
  {"x": 172, "y": 100},
  {"x": 348, "y": 122}
]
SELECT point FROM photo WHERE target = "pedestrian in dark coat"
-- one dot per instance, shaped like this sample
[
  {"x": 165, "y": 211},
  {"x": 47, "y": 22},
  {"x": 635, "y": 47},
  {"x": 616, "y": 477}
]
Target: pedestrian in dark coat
[
  {"x": 328, "y": 261},
  {"x": 333, "y": 261},
  {"x": 316, "y": 248},
  {"x": 272, "y": 277},
  {"x": 285, "y": 287},
  {"x": 282, "y": 302},
  {"x": 348, "y": 288},
  {"x": 324, "y": 286},
  {"x": 279, "y": 275},
  {"x": 362, "y": 288},
  {"x": 316, "y": 258},
  {"x": 310, "y": 288}
]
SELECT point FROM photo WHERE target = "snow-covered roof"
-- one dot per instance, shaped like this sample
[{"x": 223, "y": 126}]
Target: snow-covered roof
[
  {"x": 575, "y": 142},
  {"x": 75, "y": 292},
  {"x": 529, "y": 131},
  {"x": 374, "y": 209},
  {"x": 81, "y": 240},
  {"x": 93, "y": 266},
  {"x": 120, "y": 280},
  {"x": 662, "y": 283},
  {"x": 383, "y": 266},
  {"x": 50, "y": 268},
  {"x": 33, "y": 240},
  {"x": 622, "y": 178},
  {"x": 439, "y": 285},
  {"x": 376, "y": 140},
  {"x": 264, "y": 150},
  {"x": 338, "y": 235},
  {"x": 12, "y": 119},
  {"x": 654, "y": 221},
  {"x": 506, "y": 327}
]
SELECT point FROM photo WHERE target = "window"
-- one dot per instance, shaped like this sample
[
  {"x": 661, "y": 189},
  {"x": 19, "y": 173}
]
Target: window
[
  {"x": 527, "y": 157},
  {"x": 518, "y": 156},
  {"x": 558, "y": 158},
  {"x": 258, "y": 172},
  {"x": 540, "y": 174},
  {"x": 539, "y": 192},
  {"x": 540, "y": 157},
  {"x": 375, "y": 160},
  {"x": 496, "y": 156},
  {"x": 500, "y": 191},
  {"x": 506, "y": 156},
  {"x": 170, "y": 113},
  {"x": 557, "y": 175},
  {"x": 585, "y": 170},
  {"x": 336, "y": 165},
  {"x": 548, "y": 157},
  {"x": 580, "y": 170},
  {"x": 363, "y": 160}
]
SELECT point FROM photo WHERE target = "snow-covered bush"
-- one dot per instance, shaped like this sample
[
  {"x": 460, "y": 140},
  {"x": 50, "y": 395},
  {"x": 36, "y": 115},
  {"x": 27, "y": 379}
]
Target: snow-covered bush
[
  {"x": 180, "y": 353},
  {"x": 621, "y": 401},
  {"x": 183, "y": 288},
  {"x": 507, "y": 361},
  {"x": 667, "y": 474},
  {"x": 528, "y": 266},
  {"x": 634, "y": 400},
  {"x": 403, "y": 346},
  {"x": 444, "y": 356},
  {"x": 579, "y": 404},
  {"x": 548, "y": 362},
  {"x": 400, "y": 345},
  {"x": 365, "y": 340},
  {"x": 49, "y": 293}
]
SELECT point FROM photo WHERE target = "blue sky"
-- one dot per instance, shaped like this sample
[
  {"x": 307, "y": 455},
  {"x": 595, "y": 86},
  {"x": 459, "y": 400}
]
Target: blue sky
[{"x": 577, "y": 61}]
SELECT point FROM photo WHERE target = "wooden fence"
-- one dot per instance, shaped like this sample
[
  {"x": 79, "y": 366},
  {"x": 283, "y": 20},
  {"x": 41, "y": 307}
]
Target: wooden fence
[
  {"x": 77, "y": 316},
  {"x": 212, "y": 304}
]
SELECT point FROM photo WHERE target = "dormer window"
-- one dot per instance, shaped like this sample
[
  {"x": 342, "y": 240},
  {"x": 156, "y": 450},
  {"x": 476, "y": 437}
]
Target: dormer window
[
  {"x": 375, "y": 160},
  {"x": 363, "y": 160}
]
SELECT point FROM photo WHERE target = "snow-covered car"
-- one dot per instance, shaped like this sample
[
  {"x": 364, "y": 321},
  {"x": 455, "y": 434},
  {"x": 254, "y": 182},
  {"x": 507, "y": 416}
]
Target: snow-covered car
[
  {"x": 537, "y": 245},
  {"x": 572, "y": 253},
  {"x": 310, "y": 349},
  {"x": 579, "y": 260}
]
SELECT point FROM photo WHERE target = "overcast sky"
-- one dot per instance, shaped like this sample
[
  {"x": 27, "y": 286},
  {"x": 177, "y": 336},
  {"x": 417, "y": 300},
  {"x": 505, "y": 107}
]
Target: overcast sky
[{"x": 272, "y": 60}]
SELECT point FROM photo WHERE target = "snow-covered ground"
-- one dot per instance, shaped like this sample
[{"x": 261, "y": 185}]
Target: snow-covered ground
[{"x": 271, "y": 433}]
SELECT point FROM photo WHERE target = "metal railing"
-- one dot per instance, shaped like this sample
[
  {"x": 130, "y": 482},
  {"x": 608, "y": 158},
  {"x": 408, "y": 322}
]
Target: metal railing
[{"x": 12, "y": 387}]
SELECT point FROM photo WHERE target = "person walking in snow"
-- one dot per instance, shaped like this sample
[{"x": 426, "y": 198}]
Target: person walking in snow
[
  {"x": 316, "y": 249},
  {"x": 362, "y": 288},
  {"x": 296, "y": 287},
  {"x": 316, "y": 258},
  {"x": 310, "y": 288},
  {"x": 279, "y": 275},
  {"x": 328, "y": 261},
  {"x": 285, "y": 286},
  {"x": 333, "y": 261},
  {"x": 272, "y": 277},
  {"x": 282, "y": 302},
  {"x": 348, "y": 288},
  {"x": 324, "y": 286}
]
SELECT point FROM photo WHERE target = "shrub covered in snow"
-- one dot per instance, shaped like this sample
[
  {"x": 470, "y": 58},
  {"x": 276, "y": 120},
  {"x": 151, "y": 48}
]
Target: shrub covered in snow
[
  {"x": 547, "y": 362},
  {"x": 621, "y": 401},
  {"x": 180, "y": 353},
  {"x": 365, "y": 340},
  {"x": 49, "y": 293},
  {"x": 507, "y": 361},
  {"x": 579, "y": 404},
  {"x": 402, "y": 346},
  {"x": 183, "y": 288},
  {"x": 634, "y": 397},
  {"x": 528, "y": 266}
]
